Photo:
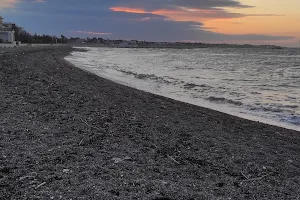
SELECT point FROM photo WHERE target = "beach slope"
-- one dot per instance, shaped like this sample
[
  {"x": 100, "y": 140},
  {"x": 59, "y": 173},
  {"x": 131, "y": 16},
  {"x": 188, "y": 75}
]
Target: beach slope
[{"x": 68, "y": 134}]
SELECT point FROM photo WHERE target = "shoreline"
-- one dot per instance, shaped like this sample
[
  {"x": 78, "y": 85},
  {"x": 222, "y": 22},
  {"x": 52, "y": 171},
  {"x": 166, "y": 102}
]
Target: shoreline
[
  {"x": 66, "y": 132},
  {"x": 202, "y": 103}
]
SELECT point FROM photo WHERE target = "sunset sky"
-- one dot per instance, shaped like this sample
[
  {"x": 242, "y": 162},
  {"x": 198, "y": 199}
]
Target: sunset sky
[{"x": 214, "y": 21}]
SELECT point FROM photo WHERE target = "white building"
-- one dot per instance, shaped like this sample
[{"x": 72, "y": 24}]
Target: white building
[{"x": 7, "y": 35}]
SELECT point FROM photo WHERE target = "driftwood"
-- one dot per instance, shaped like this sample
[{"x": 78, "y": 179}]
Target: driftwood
[
  {"x": 255, "y": 179},
  {"x": 94, "y": 127},
  {"x": 252, "y": 179},
  {"x": 40, "y": 185},
  {"x": 173, "y": 159}
]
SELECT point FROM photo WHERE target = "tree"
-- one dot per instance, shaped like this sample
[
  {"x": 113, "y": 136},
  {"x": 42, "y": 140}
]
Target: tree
[
  {"x": 25, "y": 37},
  {"x": 62, "y": 39},
  {"x": 101, "y": 40}
]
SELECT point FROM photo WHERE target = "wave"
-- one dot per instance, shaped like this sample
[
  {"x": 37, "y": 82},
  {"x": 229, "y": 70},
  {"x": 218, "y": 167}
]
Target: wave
[
  {"x": 294, "y": 120},
  {"x": 290, "y": 106},
  {"x": 145, "y": 76},
  {"x": 266, "y": 109},
  {"x": 274, "y": 108},
  {"x": 224, "y": 100},
  {"x": 193, "y": 85}
]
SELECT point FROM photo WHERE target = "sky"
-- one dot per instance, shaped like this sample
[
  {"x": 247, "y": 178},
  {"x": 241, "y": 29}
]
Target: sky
[{"x": 213, "y": 21}]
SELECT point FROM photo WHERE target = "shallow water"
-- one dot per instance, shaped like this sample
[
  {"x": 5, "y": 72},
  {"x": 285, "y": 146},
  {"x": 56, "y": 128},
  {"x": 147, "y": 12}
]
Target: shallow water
[{"x": 257, "y": 84}]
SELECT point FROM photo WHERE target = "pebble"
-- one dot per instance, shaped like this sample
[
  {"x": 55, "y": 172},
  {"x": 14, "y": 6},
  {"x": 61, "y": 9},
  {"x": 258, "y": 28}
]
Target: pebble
[
  {"x": 127, "y": 158},
  {"x": 164, "y": 182},
  {"x": 117, "y": 160},
  {"x": 67, "y": 171}
]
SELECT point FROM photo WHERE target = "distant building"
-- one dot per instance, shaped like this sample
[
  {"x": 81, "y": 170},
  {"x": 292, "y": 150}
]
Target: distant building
[
  {"x": 7, "y": 34},
  {"x": 9, "y": 25},
  {"x": 129, "y": 44},
  {"x": 133, "y": 42}
]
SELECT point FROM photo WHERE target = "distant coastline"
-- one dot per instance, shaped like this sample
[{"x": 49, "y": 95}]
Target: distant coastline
[{"x": 175, "y": 45}]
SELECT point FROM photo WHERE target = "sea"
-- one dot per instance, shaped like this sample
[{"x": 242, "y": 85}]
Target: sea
[{"x": 253, "y": 83}]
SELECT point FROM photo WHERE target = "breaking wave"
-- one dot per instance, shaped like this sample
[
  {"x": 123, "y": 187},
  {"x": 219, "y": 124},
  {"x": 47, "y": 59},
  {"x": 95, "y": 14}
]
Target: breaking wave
[{"x": 224, "y": 100}]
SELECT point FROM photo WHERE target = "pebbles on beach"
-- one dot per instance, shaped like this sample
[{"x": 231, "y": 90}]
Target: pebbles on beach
[{"x": 131, "y": 152}]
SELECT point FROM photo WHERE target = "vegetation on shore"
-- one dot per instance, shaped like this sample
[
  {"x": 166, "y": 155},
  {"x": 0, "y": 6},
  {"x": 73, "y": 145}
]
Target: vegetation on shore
[{"x": 26, "y": 37}]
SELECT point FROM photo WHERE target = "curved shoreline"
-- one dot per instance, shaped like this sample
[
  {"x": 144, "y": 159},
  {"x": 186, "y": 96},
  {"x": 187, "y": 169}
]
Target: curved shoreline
[
  {"x": 69, "y": 133},
  {"x": 203, "y": 103}
]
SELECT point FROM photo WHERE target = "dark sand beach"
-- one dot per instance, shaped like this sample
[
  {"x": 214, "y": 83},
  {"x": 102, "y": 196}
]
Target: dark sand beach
[{"x": 69, "y": 134}]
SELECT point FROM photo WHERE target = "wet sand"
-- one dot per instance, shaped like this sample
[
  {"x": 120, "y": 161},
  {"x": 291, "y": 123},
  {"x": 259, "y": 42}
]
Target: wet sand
[{"x": 68, "y": 134}]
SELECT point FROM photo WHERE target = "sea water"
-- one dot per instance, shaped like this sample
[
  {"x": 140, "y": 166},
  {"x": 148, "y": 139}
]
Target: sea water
[{"x": 254, "y": 83}]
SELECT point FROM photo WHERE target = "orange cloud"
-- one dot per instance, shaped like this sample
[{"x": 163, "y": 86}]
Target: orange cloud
[
  {"x": 228, "y": 21},
  {"x": 129, "y": 10},
  {"x": 196, "y": 15},
  {"x": 183, "y": 14}
]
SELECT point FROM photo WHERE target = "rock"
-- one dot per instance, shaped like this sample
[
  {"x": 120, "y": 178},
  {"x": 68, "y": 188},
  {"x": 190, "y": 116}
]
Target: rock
[
  {"x": 164, "y": 182},
  {"x": 67, "y": 171},
  {"x": 117, "y": 160},
  {"x": 127, "y": 158}
]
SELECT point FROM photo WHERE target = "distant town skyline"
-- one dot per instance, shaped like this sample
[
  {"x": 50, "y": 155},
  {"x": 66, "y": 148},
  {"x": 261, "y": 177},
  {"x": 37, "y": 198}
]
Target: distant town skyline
[{"x": 212, "y": 21}]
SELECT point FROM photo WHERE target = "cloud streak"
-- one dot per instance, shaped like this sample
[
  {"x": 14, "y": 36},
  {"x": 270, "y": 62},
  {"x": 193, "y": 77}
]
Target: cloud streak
[
  {"x": 188, "y": 14},
  {"x": 90, "y": 33},
  {"x": 151, "y": 5},
  {"x": 183, "y": 10},
  {"x": 8, "y": 3},
  {"x": 12, "y": 3}
]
